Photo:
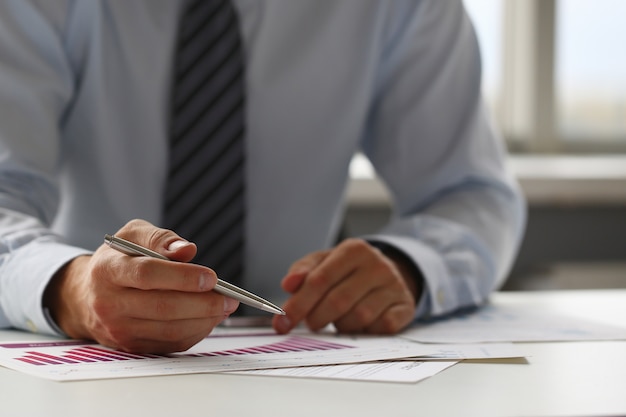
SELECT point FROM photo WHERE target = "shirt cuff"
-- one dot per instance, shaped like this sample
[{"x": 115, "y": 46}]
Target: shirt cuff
[
  {"x": 26, "y": 274},
  {"x": 437, "y": 295}
]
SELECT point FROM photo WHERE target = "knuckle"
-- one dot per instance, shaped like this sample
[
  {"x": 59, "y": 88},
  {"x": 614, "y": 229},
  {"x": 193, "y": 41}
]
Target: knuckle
[
  {"x": 156, "y": 236},
  {"x": 383, "y": 270},
  {"x": 131, "y": 228},
  {"x": 309, "y": 261},
  {"x": 139, "y": 272},
  {"x": 389, "y": 324},
  {"x": 319, "y": 281},
  {"x": 133, "y": 225},
  {"x": 144, "y": 233},
  {"x": 356, "y": 245},
  {"x": 386, "y": 325},
  {"x": 339, "y": 302},
  {"x": 363, "y": 315}
]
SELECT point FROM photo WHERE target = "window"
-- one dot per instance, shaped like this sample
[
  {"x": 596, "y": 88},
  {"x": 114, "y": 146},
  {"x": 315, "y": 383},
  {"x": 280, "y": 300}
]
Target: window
[
  {"x": 554, "y": 75},
  {"x": 591, "y": 70},
  {"x": 487, "y": 17}
]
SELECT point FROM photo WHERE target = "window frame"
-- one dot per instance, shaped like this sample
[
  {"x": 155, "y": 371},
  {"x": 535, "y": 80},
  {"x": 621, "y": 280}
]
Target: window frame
[{"x": 527, "y": 106}]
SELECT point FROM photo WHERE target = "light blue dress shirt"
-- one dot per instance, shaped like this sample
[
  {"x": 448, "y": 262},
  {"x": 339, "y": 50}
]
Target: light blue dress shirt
[{"x": 84, "y": 88}]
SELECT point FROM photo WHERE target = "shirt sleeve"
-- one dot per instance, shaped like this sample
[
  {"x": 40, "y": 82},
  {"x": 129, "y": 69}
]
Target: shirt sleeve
[
  {"x": 457, "y": 211},
  {"x": 36, "y": 84}
]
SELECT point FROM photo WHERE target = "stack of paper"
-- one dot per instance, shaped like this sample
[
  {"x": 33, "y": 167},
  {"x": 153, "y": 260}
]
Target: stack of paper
[{"x": 422, "y": 351}]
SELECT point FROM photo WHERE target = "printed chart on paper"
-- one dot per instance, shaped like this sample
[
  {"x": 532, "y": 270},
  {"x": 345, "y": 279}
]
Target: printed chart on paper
[{"x": 76, "y": 360}]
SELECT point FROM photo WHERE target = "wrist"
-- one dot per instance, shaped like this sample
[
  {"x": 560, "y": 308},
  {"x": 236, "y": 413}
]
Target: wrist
[
  {"x": 60, "y": 295},
  {"x": 409, "y": 271}
]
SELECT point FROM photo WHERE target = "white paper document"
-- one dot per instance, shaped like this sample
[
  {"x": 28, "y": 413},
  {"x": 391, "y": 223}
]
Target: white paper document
[
  {"x": 389, "y": 371},
  {"x": 454, "y": 351},
  {"x": 499, "y": 323},
  {"x": 75, "y": 360}
]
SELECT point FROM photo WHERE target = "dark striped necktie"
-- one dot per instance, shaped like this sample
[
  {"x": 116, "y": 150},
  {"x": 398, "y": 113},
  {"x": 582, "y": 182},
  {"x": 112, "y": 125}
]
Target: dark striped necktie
[{"x": 204, "y": 198}]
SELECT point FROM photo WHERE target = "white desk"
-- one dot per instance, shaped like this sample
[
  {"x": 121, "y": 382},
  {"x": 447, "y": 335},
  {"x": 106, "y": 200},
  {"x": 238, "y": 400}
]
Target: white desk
[{"x": 564, "y": 379}]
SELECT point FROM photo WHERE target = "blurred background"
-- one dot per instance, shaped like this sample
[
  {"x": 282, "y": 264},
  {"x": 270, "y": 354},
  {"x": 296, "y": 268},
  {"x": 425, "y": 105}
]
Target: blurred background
[{"x": 555, "y": 82}]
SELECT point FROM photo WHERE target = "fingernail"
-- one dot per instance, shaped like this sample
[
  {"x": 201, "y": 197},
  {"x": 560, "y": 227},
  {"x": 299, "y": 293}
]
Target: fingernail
[
  {"x": 205, "y": 281},
  {"x": 283, "y": 324},
  {"x": 230, "y": 305},
  {"x": 177, "y": 244},
  {"x": 301, "y": 270}
]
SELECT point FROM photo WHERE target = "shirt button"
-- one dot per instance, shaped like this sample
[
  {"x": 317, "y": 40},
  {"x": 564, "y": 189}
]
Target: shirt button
[
  {"x": 31, "y": 326},
  {"x": 441, "y": 296}
]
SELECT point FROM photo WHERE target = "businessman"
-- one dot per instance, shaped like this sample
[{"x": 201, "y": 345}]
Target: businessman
[{"x": 219, "y": 134}]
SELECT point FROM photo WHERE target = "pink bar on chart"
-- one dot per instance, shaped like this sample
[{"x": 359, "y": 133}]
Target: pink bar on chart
[
  {"x": 30, "y": 361},
  {"x": 58, "y": 359},
  {"x": 117, "y": 353},
  {"x": 78, "y": 358},
  {"x": 105, "y": 354},
  {"x": 40, "y": 359},
  {"x": 87, "y": 354}
]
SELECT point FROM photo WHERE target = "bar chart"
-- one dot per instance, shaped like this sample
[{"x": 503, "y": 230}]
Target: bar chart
[
  {"x": 69, "y": 360},
  {"x": 92, "y": 353}
]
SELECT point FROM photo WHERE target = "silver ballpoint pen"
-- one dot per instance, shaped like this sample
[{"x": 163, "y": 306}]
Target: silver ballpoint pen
[{"x": 222, "y": 287}]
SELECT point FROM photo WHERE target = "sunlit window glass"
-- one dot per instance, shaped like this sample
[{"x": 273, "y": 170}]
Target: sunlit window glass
[
  {"x": 591, "y": 70},
  {"x": 487, "y": 16}
]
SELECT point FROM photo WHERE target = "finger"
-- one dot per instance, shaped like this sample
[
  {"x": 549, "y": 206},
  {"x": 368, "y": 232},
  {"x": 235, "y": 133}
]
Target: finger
[
  {"x": 304, "y": 300},
  {"x": 371, "y": 309},
  {"x": 153, "y": 274},
  {"x": 393, "y": 320},
  {"x": 342, "y": 299},
  {"x": 300, "y": 269},
  {"x": 137, "y": 321},
  {"x": 291, "y": 283},
  {"x": 163, "y": 241},
  {"x": 335, "y": 267},
  {"x": 152, "y": 336},
  {"x": 174, "y": 305}
]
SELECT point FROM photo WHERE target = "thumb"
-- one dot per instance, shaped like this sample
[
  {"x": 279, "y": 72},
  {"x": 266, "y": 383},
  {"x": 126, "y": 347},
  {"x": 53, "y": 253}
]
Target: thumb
[
  {"x": 164, "y": 241},
  {"x": 179, "y": 249},
  {"x": 300, "y": 269},
  {"x": 293, "y": 281}
]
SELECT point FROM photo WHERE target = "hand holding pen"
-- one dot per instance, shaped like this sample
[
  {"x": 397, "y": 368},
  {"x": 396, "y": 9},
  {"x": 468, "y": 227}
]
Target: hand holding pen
[
  {"x": 222, "y": 287},
  {"x": 138, "y": 303}
]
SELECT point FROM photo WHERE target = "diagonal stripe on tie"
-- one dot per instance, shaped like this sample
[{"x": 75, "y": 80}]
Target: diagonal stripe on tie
[{"x": 205, "y": 193}]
